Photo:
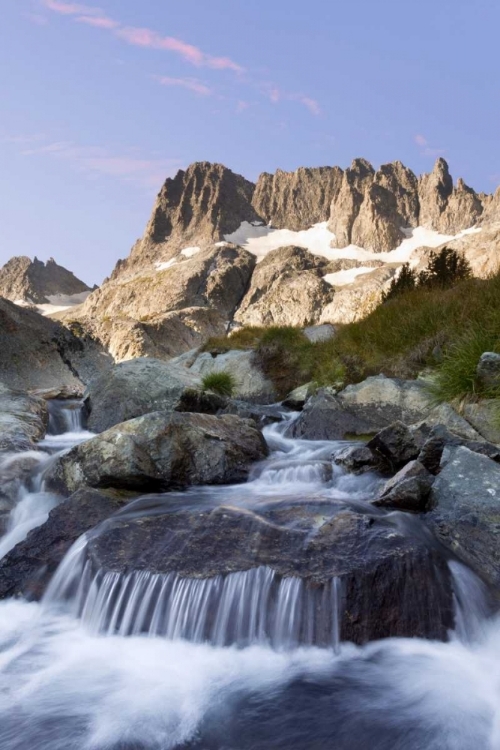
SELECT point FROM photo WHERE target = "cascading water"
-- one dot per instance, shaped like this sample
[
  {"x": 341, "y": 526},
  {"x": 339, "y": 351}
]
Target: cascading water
[
  {"x": 31, "y": 504},
  {"x": 142, "y": 660}
]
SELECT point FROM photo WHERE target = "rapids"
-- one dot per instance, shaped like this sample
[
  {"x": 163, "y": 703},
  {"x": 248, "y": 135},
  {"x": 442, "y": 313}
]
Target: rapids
[{"x": 145, "y": 661}]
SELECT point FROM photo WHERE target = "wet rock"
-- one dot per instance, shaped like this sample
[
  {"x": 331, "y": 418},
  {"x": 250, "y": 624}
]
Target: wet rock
[
  {"x": 466, "y": 510},
  {"x": 23, "y": 420},
  {"x": 359, "y": 459},
  {"x": 408, "y": 490},
  {"x": 27, "y": 569},
  {"x": 160, "y": 451},
  {"x": 395, "y": 445},
  {"x": 488, "y": 370},
  {"x": 134, "y": 388},
  {"x": 250, "y": 382},
  {"x": 391, "y": 584},
  {"x": 325, "y": 417},
  {"x": 444, "y": 414}
]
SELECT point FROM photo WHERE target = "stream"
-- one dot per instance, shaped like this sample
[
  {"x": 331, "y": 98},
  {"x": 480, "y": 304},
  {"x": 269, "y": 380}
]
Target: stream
[{"x": 143, "y": 660}]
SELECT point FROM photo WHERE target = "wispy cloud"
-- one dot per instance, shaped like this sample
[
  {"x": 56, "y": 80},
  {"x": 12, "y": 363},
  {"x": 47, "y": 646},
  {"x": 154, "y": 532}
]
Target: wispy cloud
[
  {"x": 192, "y": 84},
  {"x": 425, "y": 148},
  {"x": 242, "y": 106},
  {"x": 276, "y": 95},
  {"x": 36, "y": 18},
  {"x": 141, "y": 37},
  {"x": 99, "y": 22},
  {"x": 101, "y": 161}
]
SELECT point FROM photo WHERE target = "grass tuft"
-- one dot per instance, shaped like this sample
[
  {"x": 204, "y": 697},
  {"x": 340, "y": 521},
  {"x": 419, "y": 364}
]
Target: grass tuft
[{"x": 223, "y": 383}]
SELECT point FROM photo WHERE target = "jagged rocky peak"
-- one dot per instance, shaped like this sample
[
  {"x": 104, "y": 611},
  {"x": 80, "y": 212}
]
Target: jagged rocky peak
[
  {"x": 297, "y": 200},
  {"x": 445, "y": 208},
  {"x": 36, "y": 282}
]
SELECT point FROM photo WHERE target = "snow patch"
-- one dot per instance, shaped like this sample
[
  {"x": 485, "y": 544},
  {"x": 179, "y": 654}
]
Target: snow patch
[
  {"x": 165, "y": 265},
  {"x": 261, "y": 240},
  {"x": 341, "y": 278},
  {"x": 188, "y": 252},
  {"x": 57, "y": 303}
]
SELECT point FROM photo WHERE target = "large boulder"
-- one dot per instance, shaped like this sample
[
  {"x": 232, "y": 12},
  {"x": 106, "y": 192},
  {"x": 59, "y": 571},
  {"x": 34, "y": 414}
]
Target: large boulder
[
  {"x": 395, "y": 445},
  {"x": 36, "y": 352},
  {"x": 488, "y": 370},
  {"x": 27, "y": 569},
  {"x": 134, "y": 388},
  {"x": 388, "y": 584},
  {"x": 484, "y": 417},
  {"x": 159, "y": 452},
  {"x": 466, "y": 510},
  {"x": 250, "y": 382},
  {"x": 439, "y": 438},
  {"x": 23, "y": 420}
]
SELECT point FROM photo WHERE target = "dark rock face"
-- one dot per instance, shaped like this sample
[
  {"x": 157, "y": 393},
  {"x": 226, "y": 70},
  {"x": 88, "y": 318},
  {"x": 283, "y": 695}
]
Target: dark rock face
[
  {"x": 391, "y": 585},
  {"x": 160, "y": 452},
  {"x": 287, "y": 288},
  {"x": 297, "y": 200},
  {"x": 134, "y": 388},
  {"x": 408, "y": 490},
  {"x": 27, "y": 569},
  {"x": 23, "y": 420},
  {"x": 359, "y": 460},
  {"x": 36, "y": 352},
  {"x": 395, "y": 445},
  {"x": 35, "y": 281},
  {"x": 466, "y": 510},
  {"x": 437, "y": 440}
]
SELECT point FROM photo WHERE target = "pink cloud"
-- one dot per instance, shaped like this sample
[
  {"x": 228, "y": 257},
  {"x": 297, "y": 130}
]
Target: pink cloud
[
  {"x": 71, "y": 9},
  {"x": 242, "y": 106},
  {"x": 99, "y": 22},
  {"x": 420, "y": 140},
  {"x": 36, "y": 18},
  {"x": 188, "y": 83},
  {"x": 311, "y": 104}
]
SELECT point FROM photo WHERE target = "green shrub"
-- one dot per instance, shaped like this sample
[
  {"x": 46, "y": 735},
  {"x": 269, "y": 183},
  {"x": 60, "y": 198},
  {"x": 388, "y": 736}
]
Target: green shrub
[{"x": 223, "y": 383}]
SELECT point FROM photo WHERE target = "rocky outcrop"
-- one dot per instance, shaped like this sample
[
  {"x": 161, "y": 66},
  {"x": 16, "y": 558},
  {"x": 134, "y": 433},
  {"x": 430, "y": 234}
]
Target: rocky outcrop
[
  {"x": 466, "y": 501},
  {"x": 297, "y": 200},
  {"x": 408, "y": 490},
  {"x": 23, "y": 420},
  {"x": 36, "y": 352},
  {"x": 158, "y": 452},
  {"x": 287, "y": 289},
  {"x": 357, "y": 300},
  {"x": 325, "y": 417},
  {"x": 347, "y": 204},
  {"x": 444, "y": 208},
  {"x": 35, "y": 282},
  {"x": 196, "y": 207}
]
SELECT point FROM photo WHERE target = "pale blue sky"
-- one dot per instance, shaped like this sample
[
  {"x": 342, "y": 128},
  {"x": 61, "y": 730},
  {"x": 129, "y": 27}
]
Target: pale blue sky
[{"x": 100, "y": 102}]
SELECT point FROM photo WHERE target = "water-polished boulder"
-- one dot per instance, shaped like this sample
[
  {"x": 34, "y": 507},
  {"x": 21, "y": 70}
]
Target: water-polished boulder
[
  {"x": 162, "y": 451},
  {"x": 23, "y": 420},
  {"x": 389, "y": 583}
]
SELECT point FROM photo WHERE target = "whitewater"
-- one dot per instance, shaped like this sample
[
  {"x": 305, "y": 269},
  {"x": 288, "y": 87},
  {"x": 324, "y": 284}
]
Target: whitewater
[{"x": 140, "y": 662}]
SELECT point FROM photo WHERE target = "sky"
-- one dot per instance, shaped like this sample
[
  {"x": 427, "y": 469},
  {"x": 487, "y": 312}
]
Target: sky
[{"x": 100, "y": 103}]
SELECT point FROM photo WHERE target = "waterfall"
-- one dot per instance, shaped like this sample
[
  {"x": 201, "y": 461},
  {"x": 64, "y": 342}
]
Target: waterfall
[
  {"x": 243, "y": 608},
  {"x": 65, "y": 415}
]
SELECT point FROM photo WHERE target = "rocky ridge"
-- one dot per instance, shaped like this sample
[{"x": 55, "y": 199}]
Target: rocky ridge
[{"x": 35, "y": 282}]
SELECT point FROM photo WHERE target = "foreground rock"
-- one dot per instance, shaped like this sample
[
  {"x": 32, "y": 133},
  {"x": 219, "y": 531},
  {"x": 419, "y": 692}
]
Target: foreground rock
[
  {"x": 395, "y": 445},
  {"x": 160, "y": 452},
  {"x": 466, "y": 510},
  {"x": 27, "y": 569},
  {"x": 391, "y": 585},
  {"x": 23, "y": 420},
  {"x": 324, "y": 417}
]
